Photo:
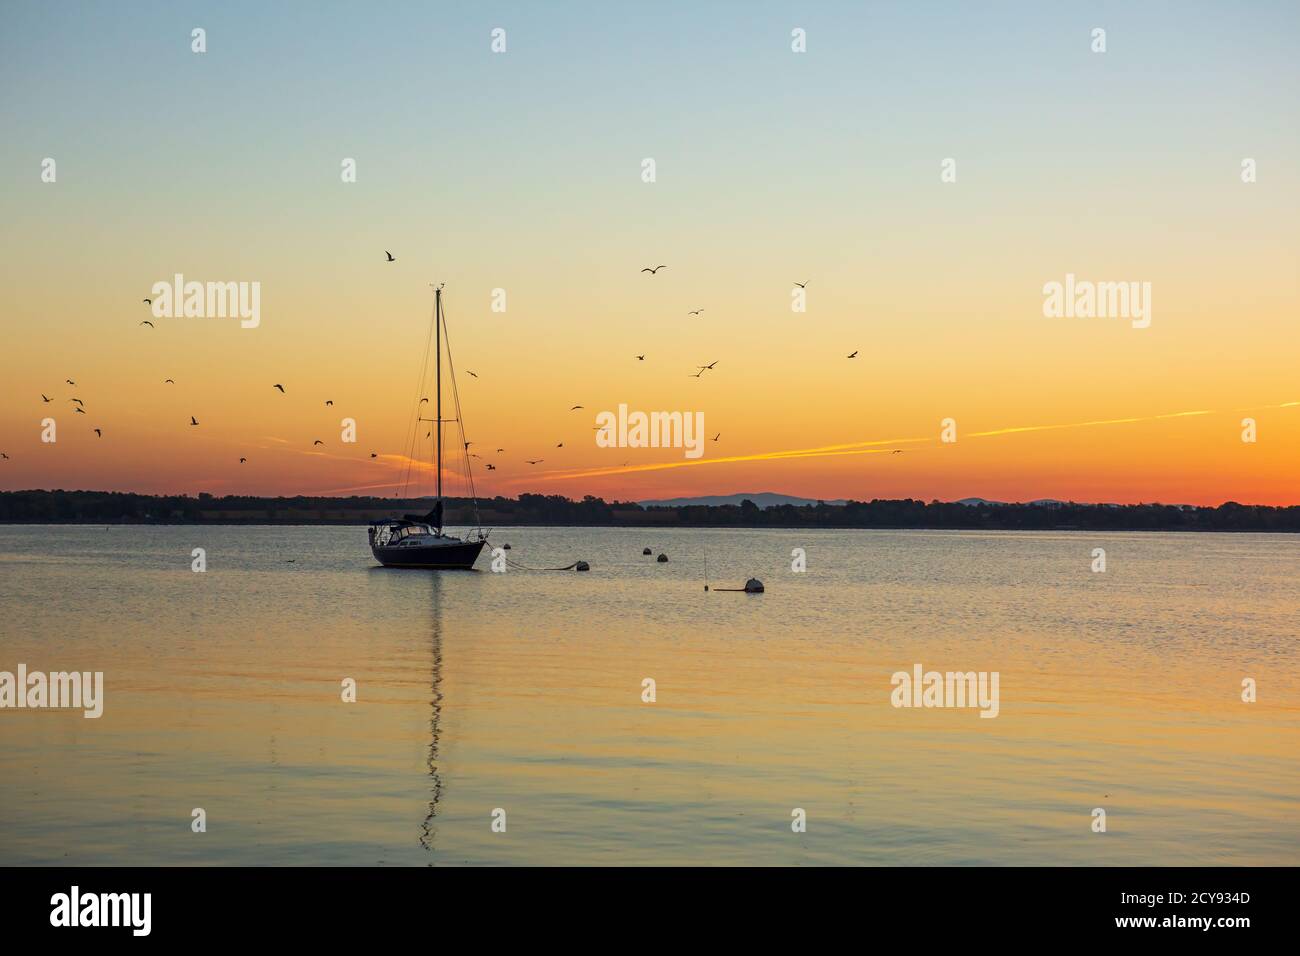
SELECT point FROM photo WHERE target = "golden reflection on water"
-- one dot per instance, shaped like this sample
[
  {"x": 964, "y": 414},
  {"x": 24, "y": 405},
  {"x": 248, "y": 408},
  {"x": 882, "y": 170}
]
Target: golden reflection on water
[{"x": 523, "y": 691}]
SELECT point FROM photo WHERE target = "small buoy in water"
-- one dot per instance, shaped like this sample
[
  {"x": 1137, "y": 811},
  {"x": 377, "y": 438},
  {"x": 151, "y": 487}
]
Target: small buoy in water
[
  {"x": 506, "y": 546},
  {"x": 752, "y": 586},
  {"x": 645, "y": 550},
  {"x": 584, "y": 566},
  {"x": 662, "y": 559}
]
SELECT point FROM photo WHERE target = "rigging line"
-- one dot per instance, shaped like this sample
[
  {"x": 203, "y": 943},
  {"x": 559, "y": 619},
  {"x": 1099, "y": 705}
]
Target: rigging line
[
  {"x": 460, "y": 422},
  {"x": 414, "y": 426}
]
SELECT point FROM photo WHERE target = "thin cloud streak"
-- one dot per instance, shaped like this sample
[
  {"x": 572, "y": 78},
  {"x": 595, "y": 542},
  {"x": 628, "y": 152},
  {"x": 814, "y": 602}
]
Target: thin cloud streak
[{"x": 872, "y": 447}]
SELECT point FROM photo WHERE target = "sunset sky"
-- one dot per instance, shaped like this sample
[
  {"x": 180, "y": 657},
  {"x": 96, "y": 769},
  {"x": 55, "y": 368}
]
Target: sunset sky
[{"x": 522, "y": 171}]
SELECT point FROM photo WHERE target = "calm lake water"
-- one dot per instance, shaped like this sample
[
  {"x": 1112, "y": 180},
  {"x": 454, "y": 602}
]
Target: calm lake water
[{"x": 523, "y": 691}]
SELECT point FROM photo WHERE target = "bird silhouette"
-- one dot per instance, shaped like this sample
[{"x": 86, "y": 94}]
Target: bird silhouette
[
  {"x": 317, "y": 442},
  {"x": 193, "y": 420},
  {"x": 697, "y": 374},
  {"x": 897, "y": 451},
  {"x": 802, "y": 285},
  {"x": 70, "y": 381},
  {"x": 170, "y": 381},
  {"x": 147, "y": 322},
  {"x": 46, "y": 400},
  {"x": 99, "y": 433},
  {"x": 470, "y": 373},
  {"x": 4, "y": 456},
  {"x": 77, "y": 400},
  {"x": 696, "y": 312},
  {"x": 327, "y": 402},
  {"x": 575, "y": 408},
  {"x": 853, "y": 354},
  {"x": 390, "y": 256},
  {"x": 147, "y": 301},
  {"x": 560, "y": 445},
  {"x": 707, "y": 367},
  {"x": 242, "y": 460},
  {"x": 640, "y": 358},
  {"x": 373, "y": 455},
  {"x": 500, "y": 449},
  {"x": 79, "y": 410},
  {"x": 717, "y": 436},
  {"x": 535, "y": 461},
  {"x": 491, "y": 467},
  {"x": 654, "y": 270},
  {"x": 280, "y": 387}
]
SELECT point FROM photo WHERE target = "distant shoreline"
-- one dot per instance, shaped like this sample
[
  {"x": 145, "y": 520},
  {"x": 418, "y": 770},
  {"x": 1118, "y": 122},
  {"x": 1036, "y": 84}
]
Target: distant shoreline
[
  {"x": 556, "y": 511},
  {"x": 629, "y": 527}
]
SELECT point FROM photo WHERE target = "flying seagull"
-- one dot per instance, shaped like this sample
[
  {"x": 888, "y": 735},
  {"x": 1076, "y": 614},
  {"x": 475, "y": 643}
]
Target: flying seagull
[
  {"x": 327, "y": 402},
  {"x": 170, "y": 381},
  {"x": 471, "y": 373},
  {"x": 707, "y": 367},
  {"x": 697, "y": 374},
  {"x": 193, "y": 420},
  {"x": 560, "y": 445},
  {"x": 99, "y": 433},
  {"x": 575, "y": 408},
  {"x": 242, "y": 460},
  {"x": 46, "y": 400},
  {"x": 802, "y": 285},
  {"x": 853, "y": 354},
  {"x": 897, "y": 451},
  {"x": 146, "y": 322},
  {"x": 696, "y": 312},
  {"x": 500, "y": 449},
  {"x": 79, "y": 410},
  {"x": 280, "y": 387},
  {"x": 77, "y": 400},
  {"x": 717, "y": 436},
  {"x": 70, "y": 381},
  {"x": 654, "y": 270},
  {"x": 390, "y": 256},
  {"x": 491, "y": 467},
  {"x": 317, "y": 442},
  {"x": 147, "y": 301},
  {"x": 4, "y": 456},
  {"x": 373, "y": 455},
  {"x": 535, "y": 461},
  {"x": 640, "y": 358}
]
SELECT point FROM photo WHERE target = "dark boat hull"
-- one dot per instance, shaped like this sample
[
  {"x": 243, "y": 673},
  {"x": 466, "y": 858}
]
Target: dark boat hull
[{"x": 442, "y": 556}]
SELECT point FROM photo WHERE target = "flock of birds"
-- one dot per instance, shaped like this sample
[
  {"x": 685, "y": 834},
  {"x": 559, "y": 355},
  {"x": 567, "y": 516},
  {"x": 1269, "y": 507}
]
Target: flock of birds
[{"x": 389, "y": 257}]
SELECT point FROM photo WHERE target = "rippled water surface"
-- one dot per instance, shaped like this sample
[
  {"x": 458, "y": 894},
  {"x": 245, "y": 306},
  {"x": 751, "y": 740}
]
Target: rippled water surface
[{"x": 523, "y": 691}]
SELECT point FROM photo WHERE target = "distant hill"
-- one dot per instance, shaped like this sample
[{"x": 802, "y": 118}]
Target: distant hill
[{"x": 764, "y": 499}]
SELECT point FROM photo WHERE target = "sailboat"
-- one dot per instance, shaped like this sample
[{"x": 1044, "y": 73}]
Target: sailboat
[{"x": 418, "y": 541}]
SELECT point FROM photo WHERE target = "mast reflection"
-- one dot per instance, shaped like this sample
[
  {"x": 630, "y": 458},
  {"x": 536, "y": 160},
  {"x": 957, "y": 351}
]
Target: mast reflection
[{"x": 428, "y": 829}]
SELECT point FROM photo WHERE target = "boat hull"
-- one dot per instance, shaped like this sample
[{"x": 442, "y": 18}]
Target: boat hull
[{"x": 450, "y": 557}]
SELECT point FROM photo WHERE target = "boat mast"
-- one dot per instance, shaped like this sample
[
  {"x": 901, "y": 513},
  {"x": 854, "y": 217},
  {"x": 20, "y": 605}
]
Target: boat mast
[{"x": 437, "y": 334}]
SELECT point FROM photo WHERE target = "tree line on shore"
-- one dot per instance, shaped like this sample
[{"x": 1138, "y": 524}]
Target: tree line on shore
[{"x": 105, "y": 507}]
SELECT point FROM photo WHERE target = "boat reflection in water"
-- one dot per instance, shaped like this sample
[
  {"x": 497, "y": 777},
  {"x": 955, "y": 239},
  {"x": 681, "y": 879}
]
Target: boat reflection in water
[{"x": 427, "y": 828}]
